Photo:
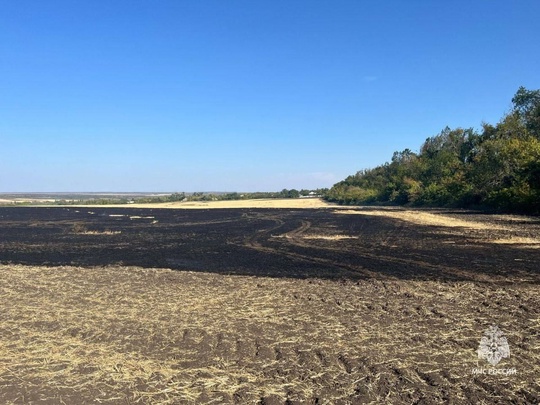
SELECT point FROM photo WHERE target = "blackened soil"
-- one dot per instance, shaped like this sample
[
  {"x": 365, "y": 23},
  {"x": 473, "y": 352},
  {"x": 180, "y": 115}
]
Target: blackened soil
[{"x": 262, "y": 242}]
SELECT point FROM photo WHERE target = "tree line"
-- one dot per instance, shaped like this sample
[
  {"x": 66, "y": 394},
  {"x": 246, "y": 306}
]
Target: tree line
[
  {"x": 497, "y": 167},
  {"x": 186, "y": 197},
  {"x": 208, "y": 196}
]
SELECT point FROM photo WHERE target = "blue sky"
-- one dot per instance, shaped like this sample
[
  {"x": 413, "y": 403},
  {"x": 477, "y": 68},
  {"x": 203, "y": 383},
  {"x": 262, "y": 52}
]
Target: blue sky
[{"x": 220, "y": 95}]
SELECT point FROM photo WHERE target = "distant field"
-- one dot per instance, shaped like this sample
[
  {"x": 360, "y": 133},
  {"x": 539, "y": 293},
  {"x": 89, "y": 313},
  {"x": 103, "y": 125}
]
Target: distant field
[
  {"x": 263, "y": 305},
  {"x": 44, "y": 198},
  {"x": 249, "y": 203},
  {"x": 255, "y": 203}
]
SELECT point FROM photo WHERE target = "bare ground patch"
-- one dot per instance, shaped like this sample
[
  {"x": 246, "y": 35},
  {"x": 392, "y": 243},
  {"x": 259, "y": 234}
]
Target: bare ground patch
[{"x": 154, "y": 336}]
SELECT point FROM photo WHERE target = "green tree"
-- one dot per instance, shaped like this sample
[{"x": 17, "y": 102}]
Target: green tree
[
  {"x": 500, "y": 167},
  {"x": 527, "y": 107}
]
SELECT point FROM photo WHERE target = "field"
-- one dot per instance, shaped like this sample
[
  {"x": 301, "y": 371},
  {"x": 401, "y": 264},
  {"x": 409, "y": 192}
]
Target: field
[{"x": 319, "y": 305}]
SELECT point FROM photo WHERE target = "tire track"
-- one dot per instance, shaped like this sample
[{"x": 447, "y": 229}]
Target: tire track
[
  {"x": 295, "y": 238},
  {"x": 254, "y": 242}
]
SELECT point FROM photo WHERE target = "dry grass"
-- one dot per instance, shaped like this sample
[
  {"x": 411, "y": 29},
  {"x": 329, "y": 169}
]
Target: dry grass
[
  {"x": 130, "y": 335},
  {"x": 529, "y": 243},
  {"x": 255, "y": 203},
  {"x": 106, "y": 232},
  {"x": 81, "y": 229}
]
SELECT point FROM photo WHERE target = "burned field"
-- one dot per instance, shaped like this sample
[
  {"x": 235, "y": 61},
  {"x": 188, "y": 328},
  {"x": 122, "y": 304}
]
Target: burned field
[
  {"x": 272, "y": 306},
  {"x": 265, "y": 242}
]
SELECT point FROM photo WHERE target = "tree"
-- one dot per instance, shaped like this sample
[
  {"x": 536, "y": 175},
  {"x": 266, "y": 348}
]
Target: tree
[
  {"x": 527, "y": 107},
  {"x": 498, "y": 168}
]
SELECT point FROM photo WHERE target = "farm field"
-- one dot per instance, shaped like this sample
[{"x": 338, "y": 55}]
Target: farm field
[{"x": 320, "y": 305}]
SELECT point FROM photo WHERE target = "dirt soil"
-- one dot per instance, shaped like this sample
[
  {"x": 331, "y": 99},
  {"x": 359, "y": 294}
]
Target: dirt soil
[{"x": 269, "y": 306}]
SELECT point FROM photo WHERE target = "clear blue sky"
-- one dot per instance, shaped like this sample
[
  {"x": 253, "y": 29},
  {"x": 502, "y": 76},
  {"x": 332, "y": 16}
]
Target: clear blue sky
[{"x": 109, "y": 95}]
